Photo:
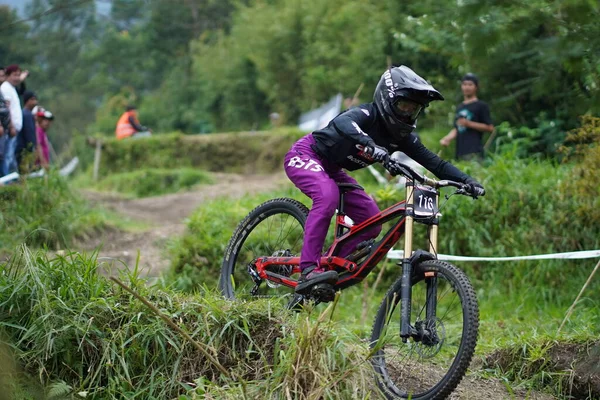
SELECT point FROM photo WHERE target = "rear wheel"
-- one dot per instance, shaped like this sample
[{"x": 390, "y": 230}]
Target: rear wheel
[
  {"x": 273, "y": 229},
  {"x": 430, "y": 364}
]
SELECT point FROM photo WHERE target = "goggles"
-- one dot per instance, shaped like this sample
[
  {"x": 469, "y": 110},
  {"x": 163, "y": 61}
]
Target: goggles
[{"x": 406, "y": 109}]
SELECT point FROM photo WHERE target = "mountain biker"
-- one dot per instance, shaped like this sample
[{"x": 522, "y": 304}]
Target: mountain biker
[{"x": 355, "y": 139}]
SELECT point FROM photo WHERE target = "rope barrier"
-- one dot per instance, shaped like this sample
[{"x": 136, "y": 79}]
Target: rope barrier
[{"x": 573, "y": 255}]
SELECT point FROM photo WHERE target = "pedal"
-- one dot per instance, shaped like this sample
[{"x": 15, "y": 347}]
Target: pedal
[{"x": 323, "y": 292}]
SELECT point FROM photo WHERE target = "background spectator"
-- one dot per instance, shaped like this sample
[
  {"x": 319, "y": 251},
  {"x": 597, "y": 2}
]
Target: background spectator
[
  {"x": 26, "y": 139},
  {"x": 4, "y": 129},
  {"x": 44, "y": 118},
  {"x": 21, "y": 87},
  {"x": 128, "y": 125},
  {"x": 9, "y": 91},
  {"x": 471, "y": 121}
]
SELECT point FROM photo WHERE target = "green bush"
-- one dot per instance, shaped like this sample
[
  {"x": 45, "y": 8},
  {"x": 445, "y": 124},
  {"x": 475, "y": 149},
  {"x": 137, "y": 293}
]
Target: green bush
[
  {"x": 154, "y": 181},
  {"x": 73, "y": 331},
  {"x": 541, "y": 141},
  {"x": 247, "y": 152},
  {"x": 44, "y": 212},
  {"x": 584, "y": 187}
]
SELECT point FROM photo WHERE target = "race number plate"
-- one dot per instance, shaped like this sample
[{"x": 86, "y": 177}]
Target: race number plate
[{"x": 425, "y": 201}]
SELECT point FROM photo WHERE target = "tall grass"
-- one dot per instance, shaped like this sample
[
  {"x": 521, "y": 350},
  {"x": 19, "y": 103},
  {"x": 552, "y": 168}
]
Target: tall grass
[
  {"x": 44, "y": 212},
  {"x": 75, "y": 332}
]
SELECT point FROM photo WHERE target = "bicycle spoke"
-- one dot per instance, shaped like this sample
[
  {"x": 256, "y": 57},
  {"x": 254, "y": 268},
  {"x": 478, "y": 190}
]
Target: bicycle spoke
[
  {"x": 271, "y": 237},
  {"x": 416, "y": 367}
]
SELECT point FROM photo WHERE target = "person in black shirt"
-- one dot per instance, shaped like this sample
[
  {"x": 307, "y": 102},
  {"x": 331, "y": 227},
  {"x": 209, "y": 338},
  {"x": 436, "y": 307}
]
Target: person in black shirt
[
  {"x": 355, "y": 139},
  {"x": 471, "y": 121},
  {"x": 26, "y": 139}
]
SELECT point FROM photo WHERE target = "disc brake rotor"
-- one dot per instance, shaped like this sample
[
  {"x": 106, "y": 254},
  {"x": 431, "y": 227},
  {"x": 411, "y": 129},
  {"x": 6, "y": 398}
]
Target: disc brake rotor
[{"x": 433, "y": 334}]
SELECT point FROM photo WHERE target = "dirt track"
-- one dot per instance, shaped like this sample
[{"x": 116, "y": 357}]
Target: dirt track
[{"x": 165, "y": 216}]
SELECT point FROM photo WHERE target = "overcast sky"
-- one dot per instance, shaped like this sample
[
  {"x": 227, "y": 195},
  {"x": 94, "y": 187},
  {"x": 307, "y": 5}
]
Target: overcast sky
[
  {"x": 102, "y": 6},
  {"x": 18, "y": 4}
]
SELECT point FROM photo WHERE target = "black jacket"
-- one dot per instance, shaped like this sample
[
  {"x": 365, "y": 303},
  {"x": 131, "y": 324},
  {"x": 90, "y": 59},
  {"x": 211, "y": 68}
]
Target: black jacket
[{"x": 344, "y": 139}]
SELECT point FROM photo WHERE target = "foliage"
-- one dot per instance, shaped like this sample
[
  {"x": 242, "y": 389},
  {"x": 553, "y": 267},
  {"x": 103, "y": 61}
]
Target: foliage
[
  {"x": 248, "y": 152},
  {"x": 152, "y": 181},
  {"x": 61, "y": 311},
  {"x": 44, "y": 212},
  {"x": 542, "y": 141},
  {"x": 199, "y": 66},
  {"x": 524, "y": 211},
  {"x": 584, "y": 188}
]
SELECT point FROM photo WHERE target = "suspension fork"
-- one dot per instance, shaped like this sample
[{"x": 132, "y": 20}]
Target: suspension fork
[
  {"x": 431, "y": 281},
  {"x": 406, "y": 329}
]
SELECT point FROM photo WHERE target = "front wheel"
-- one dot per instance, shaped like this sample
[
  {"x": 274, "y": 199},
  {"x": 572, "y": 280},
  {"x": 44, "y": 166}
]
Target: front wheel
[
  {"x": 431, "y": 363},
  {"x": 273, "y": 229}
]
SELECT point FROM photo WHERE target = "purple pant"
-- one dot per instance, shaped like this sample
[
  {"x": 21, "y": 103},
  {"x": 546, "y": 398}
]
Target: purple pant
[{"x": 317, "y": 178}]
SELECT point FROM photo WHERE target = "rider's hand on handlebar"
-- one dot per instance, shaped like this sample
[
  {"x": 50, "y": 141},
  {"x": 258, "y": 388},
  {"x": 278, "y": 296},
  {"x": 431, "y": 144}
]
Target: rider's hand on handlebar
[
  {"x": 392, "y": 167},
  {"x": 378, "y": 153},
  {"x": 475, "y": 189}
]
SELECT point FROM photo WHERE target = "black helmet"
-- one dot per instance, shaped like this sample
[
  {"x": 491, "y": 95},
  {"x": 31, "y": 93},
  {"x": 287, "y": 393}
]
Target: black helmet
[{"x": 400, "y": 96}]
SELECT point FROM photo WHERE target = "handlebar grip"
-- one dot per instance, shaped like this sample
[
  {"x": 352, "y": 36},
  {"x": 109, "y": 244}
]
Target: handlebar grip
[
  {"x": 446, "y": 183},
  {"x": 479, "y": 191}
]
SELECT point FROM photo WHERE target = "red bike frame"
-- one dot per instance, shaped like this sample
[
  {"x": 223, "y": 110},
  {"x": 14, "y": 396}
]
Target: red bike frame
[{"x": 351, "y": 273}]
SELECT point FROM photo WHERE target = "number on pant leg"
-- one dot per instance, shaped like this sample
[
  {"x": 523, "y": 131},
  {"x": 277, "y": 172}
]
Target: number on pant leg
[
  {"x": 309, "y": 165},
  {"x": 296, "y": 162}
]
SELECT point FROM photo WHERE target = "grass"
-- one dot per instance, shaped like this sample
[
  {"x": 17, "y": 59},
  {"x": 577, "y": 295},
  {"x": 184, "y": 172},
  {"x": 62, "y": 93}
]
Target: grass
[
  {"x": 261, "y": 152},
  {"x": 73, "y": 331},
  {"x": 45, "y": 213},
  {"x": 153, "y": 181},
  {"x": 566, "y": 367}
]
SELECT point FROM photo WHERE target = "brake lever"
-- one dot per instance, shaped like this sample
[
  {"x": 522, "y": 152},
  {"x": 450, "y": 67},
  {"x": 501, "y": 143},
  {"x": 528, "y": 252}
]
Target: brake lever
[{"x": 466, "y": 193}]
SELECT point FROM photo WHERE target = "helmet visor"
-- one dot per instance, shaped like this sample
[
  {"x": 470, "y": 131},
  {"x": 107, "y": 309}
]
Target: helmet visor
[{"x": 407, "y": 110}]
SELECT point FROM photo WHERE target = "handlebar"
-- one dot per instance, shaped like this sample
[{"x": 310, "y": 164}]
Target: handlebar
[{"x": 410, "y": 173}]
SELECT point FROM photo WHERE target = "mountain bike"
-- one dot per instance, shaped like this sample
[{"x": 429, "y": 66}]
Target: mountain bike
[{"x": 425, "y": 331}]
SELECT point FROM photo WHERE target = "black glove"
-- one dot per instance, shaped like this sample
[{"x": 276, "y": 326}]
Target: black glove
[
  {"x": 475, "y": 188},
  {"x": 393, "y": 168},
  {"x": 378, "y": 153}
]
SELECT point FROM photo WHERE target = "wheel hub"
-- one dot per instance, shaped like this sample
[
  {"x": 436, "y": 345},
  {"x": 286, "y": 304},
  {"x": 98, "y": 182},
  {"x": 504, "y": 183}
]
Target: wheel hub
[{"x": 430, "y": 336}]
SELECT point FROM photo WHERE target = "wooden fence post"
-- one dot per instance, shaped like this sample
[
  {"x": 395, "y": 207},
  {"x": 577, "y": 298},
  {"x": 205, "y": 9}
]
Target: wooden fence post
[{"x": 97, "y": 155}]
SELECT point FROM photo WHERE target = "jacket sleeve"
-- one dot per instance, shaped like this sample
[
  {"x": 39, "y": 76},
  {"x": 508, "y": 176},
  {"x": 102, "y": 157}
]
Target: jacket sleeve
[
  {"x": 352, "y": 124},
  {"x": 135, "y": 125},
  {"x": 440, "y": 168}
]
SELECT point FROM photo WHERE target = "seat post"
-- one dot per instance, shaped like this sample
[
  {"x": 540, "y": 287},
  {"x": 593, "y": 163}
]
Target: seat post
[
  {"x": 340, "y": 213},
  {"x": 341, "y": 203},
  {"x": 343, "y": 188}
]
